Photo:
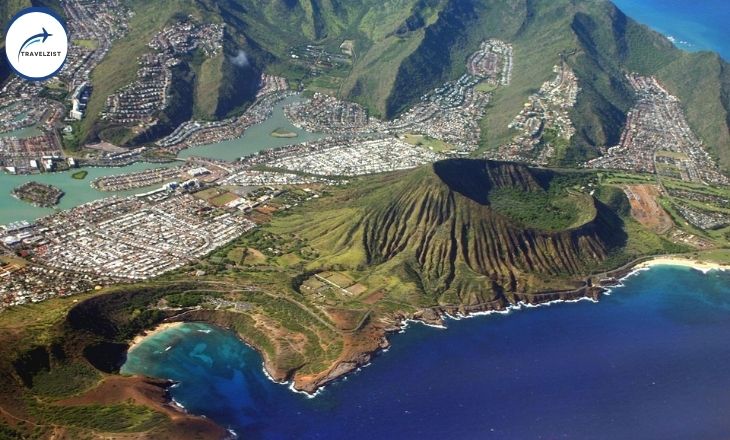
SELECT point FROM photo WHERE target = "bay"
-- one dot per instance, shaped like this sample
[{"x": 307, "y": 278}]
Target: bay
[{"x": 649, "y": 361}]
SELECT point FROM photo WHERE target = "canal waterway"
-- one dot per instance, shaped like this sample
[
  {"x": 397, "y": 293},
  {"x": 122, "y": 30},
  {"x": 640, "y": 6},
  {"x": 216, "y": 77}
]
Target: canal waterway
[{"x": 254, "y": 139}]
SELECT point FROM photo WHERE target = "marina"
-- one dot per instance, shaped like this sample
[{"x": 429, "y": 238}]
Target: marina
[{"x": 254, "y": 139}]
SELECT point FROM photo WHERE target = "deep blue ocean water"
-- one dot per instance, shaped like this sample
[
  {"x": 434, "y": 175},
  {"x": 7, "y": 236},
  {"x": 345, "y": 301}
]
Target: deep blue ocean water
[
  {"x": 650, "y": 361},
  {"x": 695, "y": 24}
]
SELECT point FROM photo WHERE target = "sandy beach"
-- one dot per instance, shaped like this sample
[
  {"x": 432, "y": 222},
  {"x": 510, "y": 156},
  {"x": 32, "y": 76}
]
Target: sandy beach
[
  {"x": 700, "y": 265},
  {"x": 142, "y": 336}
]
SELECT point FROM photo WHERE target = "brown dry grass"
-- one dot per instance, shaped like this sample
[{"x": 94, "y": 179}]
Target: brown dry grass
[{"x": 645, "y": 208}]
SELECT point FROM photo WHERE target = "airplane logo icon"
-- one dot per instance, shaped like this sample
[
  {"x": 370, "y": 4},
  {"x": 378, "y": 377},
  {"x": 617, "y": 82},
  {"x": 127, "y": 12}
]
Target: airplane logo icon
[{"x": 38, "y": 38}]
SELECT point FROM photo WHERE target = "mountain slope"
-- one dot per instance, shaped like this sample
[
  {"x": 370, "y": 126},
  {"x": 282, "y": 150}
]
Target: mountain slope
[
  {"x": 404, "y": 48},
  {"x": 317, "y": 290},
  {"x": 600, "y": 43},
  {"x": 8, "y": 9},
  {"x": 444, "y": 232}
]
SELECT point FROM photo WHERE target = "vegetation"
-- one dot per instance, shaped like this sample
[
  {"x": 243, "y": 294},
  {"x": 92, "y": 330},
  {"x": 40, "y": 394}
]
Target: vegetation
[
  {"x": 108, "y": 418},
  {"x": 395, "y": 44},
  {"x": 429, "y": 142},
  {"x": 311, "y": 290},
  {"x": 65, "y": 379},
  {"x": 88, "y": 44},
  {"x": 8, "y": 8},
  {"x": 536, "y": 209},
  {"x": 283, "y": 133},
  {"x": 204, "y": 88},
  {"x": 47, "y": 384},
  {"x": 80, "y": 175},
  {"x": 207, "y": 91}
]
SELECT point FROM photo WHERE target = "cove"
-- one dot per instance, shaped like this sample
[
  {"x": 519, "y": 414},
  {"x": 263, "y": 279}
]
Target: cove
[{"x": 648, "y": 361}]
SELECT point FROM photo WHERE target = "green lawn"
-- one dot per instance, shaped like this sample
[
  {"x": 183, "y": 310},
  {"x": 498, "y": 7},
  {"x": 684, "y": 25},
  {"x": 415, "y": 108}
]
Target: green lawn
[
  {"x": 485, "y": 87},
  {"x": 207, "y": 91},
  {"x": 88, "y": 44},
  {"x": 433, "y": 144}
]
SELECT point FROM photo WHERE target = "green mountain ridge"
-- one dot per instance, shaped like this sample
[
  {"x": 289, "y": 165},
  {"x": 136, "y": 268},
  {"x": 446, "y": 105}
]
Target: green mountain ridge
[
  {"x": 438, "y": 230},
  {"x": 425, "y": 43},
  {"x": 405, "y": 48},
  {"x": 340, "y": 272}
]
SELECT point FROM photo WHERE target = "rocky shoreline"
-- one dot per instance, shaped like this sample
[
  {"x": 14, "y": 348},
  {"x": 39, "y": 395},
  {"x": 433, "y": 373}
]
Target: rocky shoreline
[
  {"x": 361, "y": 352},
  {"x": 594, "y": 286},
  {"x": 435, "y": 317}
]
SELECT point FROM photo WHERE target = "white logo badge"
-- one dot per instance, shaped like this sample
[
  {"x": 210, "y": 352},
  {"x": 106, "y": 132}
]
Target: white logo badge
[{"x": 36, "y": 44}]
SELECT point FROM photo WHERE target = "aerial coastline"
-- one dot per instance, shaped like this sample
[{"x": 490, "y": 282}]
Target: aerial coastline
[
  {"x": 224, "y": 227},
  {"x": 418, "y": 354},
  {"x": 702, "y": 265},
  {"x": 140, "y": 338},
  {"x": 437, "y": 317}
]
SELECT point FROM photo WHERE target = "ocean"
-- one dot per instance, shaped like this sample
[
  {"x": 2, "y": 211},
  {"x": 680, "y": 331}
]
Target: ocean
[
  {"x": 648, "y": 361},
  {"x": 693, "y": 25}
]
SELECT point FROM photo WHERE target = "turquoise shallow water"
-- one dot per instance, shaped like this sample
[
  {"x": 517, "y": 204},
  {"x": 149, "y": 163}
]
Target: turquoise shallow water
[
  {"x": 649, "y": 361},
  {"x": 696, "y": 25},
  {"x": 254, "y": 139},
  {"x": 701, "y": 25},
  {"x": 76, "y": 191}
]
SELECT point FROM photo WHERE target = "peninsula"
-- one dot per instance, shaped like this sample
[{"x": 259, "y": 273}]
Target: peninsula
[{"x": 471, "y": 157}]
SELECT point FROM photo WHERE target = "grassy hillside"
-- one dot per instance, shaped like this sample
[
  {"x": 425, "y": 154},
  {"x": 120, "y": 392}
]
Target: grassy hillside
[
  {"x": 119, "y": 67},
  {"x": 403, "y": 48},
  {"x": 407, "y": 47},
  {"x": 207, "y": 90},
  {"x": 601, "y": 44},
  {"x": 8, "y": 9},
  {"x": 700, "y": 80},
  {"x": 317, "y": 289},
  {"x": 42, "y": 365},
  {"x": 452, "y": 231}
]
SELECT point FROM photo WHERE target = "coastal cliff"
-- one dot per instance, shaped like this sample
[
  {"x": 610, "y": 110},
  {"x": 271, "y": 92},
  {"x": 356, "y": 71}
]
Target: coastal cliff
[
  {"x": 418, "y": 245},
  {"x": 319, "y": 289}
]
